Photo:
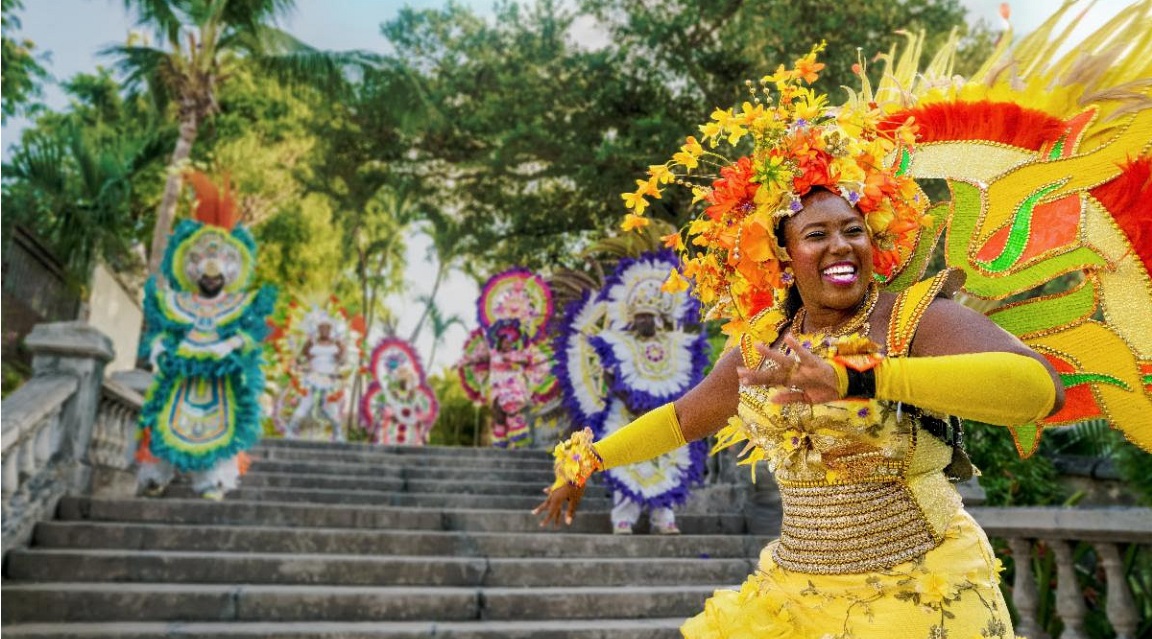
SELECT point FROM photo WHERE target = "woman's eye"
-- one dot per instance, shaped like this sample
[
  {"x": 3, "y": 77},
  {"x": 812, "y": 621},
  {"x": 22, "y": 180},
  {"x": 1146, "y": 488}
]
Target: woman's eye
[
  {"x": 815, "y": 235},
  {"x": 855, "y": 230}
]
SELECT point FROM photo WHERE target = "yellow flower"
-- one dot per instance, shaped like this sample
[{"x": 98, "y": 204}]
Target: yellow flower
[
  {"x": 675, "y": 283},
  {"x": 634, "y": 202},
  {"x": 735, "y": 132},
  {"x": 648, "y": 187},
  {"x": 934, "y": 589},
  {"x": 685, "y": 160},
  {"x": 722, "y": 116},
  {"x": 699, "y": 193},
  {"x": 699, "y": 226},
  {"x": 661, "y": 173},
  {"x": 711, "y": 131},
  {"x": 781, "y": 76},
  {"x": 634, "y": 222}
]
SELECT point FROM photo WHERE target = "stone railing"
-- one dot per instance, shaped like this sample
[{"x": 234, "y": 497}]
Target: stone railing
[
  {"x": 113, "y": 446},
  {"x": 1059, "y": 530},
  {"x": 68, "y": 430}
]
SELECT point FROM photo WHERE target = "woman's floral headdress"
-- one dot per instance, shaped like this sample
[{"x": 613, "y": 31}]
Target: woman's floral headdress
[{"x": 797, "y": 142}]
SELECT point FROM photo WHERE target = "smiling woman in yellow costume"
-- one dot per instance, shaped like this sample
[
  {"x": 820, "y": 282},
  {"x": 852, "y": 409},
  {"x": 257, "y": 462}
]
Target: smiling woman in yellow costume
[{"x": 846, "y": 375}]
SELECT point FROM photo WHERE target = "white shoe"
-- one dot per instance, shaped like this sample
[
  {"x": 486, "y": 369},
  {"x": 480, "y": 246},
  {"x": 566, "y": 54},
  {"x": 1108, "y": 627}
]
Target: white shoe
[
  {"x": 214, "y": 494},
  {"x": 622, "y": 528},
  {"x": 669, "y": 529}
]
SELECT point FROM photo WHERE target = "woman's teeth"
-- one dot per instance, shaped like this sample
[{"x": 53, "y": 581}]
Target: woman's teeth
[{"x": 840, "y": 273}]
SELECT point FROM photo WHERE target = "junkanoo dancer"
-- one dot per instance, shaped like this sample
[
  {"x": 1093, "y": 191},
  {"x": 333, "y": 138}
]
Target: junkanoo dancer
[
  {"x": 399, "y": 407},
  {"x": 507, "y": 362},
  {"x": 623, "y": 350},
  {"x": 846, "y": 375},
  {"x": 205, "y": 325},
  {"x": 318, "y": 348}
]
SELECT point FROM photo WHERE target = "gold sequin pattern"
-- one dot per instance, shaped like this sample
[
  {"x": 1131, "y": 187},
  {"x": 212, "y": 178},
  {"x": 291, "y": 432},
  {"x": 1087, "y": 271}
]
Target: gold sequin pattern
[{"x": 853, "y": 528}]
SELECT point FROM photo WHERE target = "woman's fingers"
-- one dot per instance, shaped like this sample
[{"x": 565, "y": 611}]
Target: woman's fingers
[
  {"x": 560, "y": 505},
  {"x": 573, "y": 502},
  {"x": 776, "y": 370}
]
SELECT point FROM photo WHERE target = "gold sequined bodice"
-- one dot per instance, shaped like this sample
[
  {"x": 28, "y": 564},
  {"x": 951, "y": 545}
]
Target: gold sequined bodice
[{"x": 861, "y": 485}]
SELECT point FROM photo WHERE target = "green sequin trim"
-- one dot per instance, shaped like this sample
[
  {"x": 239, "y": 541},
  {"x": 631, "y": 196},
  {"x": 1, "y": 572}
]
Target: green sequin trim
[
  {"x": 905, "y": 162},
  {"x": 1018, "y": 235},
  {"x": 1058, "y": 149},
  {"x": 1078, "y": 379},
  {"x": 962, "y": 229}
]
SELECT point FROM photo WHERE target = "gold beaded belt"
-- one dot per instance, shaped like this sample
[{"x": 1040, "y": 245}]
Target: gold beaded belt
[{"x": 850, "y": 528}]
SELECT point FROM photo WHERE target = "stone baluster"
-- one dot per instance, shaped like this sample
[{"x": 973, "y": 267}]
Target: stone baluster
[
  {"x": 48, "y": 423},
  {"x": 11, "y": 480},
  {"x": 1069, "y": 598},
  {"x": 1024, "y": 594},
  {"x": 1121, "y": 609},
  {"x": 114, "y": 439}
]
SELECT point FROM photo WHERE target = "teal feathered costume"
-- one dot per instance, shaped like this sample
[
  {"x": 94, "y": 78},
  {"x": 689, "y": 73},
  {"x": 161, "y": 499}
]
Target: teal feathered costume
[{"x": 204, "y": 334}]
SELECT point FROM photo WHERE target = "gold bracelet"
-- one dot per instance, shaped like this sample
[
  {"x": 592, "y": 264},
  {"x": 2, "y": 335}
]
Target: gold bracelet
[{"x": 575, "y": 460}]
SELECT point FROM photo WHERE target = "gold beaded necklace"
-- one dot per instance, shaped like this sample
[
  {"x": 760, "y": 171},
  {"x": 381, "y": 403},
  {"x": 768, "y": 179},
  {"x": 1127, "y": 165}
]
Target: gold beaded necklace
[{"x": 858, "y": 323}]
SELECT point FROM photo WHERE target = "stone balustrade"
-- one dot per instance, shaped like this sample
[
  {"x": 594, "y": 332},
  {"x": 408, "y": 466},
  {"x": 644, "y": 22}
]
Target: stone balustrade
[
  {"x": 32, "y": 435},
  {"x": 1060, "y": 530},
  {"x": 68, "y": 430},
  {"x": 113, "y": 447}
]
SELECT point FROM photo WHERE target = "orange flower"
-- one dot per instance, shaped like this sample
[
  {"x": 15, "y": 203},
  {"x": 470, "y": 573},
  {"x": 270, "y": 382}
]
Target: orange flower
[{"x": 733, "y": 191}]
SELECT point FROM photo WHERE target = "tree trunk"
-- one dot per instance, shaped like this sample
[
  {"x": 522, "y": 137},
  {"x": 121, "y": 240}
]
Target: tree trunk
[{"x": 167, "y": 210}]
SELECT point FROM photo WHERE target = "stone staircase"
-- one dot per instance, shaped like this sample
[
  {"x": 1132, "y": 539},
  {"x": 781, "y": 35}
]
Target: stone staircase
[{"x": 351, "y": 541}]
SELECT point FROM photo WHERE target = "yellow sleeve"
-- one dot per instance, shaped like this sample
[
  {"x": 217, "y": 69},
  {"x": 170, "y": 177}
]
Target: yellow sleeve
[
  {"x": 647, "y": 437},
  {"x": 1005, "y": 389}
]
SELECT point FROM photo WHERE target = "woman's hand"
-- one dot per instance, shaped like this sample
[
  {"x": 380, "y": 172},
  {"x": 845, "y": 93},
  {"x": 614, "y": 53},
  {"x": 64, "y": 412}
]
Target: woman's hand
[
  {"x": 808, "y": 378},
  {"x": 561, "y": 501}
]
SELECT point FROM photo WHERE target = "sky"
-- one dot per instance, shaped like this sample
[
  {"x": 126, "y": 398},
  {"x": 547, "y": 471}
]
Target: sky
[{"x": 69, "y": 33}]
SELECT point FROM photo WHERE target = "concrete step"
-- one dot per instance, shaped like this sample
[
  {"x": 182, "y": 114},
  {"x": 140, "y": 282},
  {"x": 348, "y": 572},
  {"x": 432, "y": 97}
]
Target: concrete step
[
  {"x": 456, "y": 472},
  {"x": 258, "y": 479},
  {"x": 270, "y": 513},
  {"x": 78, "y": 565},
  {"x": 392, "y": 458},
  {"x": 98, "y": 602},
  {"x": 546, "y": 629},
  {"x": 246, "y": 538},
  {"x": 392, "y": 498},
  {"x": 412, "y": 451}
]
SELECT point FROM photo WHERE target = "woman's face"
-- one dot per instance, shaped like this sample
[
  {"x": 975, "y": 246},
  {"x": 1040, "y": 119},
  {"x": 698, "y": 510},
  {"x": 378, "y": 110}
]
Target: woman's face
[{"x": 831, "y": 255}]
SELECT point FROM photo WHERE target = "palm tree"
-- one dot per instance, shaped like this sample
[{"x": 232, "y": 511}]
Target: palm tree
[
  {"x": 450, "y": 240},
  {"x": 439, "y": 324},
  {"x": 201, "y": 43}
]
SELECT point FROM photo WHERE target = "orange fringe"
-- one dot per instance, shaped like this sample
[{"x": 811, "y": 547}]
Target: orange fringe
[{"x": 1004, "y": 122}]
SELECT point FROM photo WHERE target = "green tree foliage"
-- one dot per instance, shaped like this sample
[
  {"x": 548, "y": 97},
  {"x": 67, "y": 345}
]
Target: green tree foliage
[
  {"x": 460, "y": 422},
  {"x": 534, "y": 135},
  {"x": 201, "y": 44},
  {"x": 20, "y": 72},
  {"x": 85, "y": 180}
]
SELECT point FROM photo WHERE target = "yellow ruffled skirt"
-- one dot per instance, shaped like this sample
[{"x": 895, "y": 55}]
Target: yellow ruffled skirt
[{"x": 952, "y": 591}]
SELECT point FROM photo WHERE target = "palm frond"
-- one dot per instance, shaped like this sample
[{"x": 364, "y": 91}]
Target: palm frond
[
  {"x": 160, "y": 16},
  {"x": 252, "y": 14},
  {"x": 142, "y": 67}
]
